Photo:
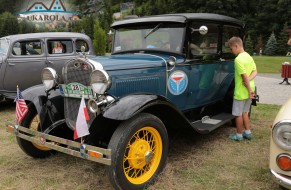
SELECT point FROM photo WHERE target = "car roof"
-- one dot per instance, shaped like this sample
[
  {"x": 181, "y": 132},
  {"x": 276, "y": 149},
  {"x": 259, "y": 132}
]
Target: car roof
[
  {"x": 47, "y": 35},
  {"x": 180, "y": 17}
]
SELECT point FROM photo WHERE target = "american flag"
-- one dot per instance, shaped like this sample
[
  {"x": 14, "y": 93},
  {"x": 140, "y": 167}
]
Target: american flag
[{"x": 21, "y": 107}]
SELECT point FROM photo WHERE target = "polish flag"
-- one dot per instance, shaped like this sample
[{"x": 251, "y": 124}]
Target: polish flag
[{"x": 81, "y": 128}]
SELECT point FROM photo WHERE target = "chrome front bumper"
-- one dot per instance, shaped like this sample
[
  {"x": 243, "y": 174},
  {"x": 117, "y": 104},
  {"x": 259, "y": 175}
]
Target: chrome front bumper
[
  {"x": 73, "y": 148},
  {"x": 281, "y": 179}
]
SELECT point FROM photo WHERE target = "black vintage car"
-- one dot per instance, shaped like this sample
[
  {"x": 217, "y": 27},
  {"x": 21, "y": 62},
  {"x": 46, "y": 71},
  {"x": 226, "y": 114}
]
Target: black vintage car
[
  {"x": 24, "y": 56},
  {"x": 165, "y": 71}
]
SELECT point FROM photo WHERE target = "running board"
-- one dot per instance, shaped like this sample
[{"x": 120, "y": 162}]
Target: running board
[{"x": 207, "y": 124}]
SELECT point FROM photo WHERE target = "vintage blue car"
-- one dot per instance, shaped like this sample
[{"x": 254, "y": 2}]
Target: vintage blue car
[{"x": 165, "y": 72}]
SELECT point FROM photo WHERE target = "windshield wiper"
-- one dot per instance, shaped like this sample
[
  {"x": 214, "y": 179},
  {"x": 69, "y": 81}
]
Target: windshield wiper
[{"x": 153, "y": 30}]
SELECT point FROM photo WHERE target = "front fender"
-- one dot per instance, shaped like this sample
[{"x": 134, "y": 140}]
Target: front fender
[
  {"x": 32, "y": 95},
  {"x": 128, "y": 106}
]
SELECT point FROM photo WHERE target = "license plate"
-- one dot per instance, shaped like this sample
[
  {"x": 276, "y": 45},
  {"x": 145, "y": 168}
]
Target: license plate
[{"x": 76, "y": 90}]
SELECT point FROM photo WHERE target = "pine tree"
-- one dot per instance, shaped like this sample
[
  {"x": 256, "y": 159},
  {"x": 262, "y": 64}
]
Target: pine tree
[
  {"x": 249, "y": 45},
  {"x": 99, "y": 41},
  {"x": 282, "y": 41},
  {"x": 88, "y": 25},
  {"x": 271, "y": 46}
]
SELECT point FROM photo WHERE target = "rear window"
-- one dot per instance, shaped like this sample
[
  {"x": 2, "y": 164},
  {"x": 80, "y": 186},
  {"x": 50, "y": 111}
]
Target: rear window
[
  {"x": 80, "y": 43},
  {"x": 60, "y": 46},
  {"x": 25, "y": 48}
]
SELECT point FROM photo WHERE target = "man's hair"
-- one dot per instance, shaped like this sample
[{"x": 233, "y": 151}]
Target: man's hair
[{"x": 235, "y": 40}]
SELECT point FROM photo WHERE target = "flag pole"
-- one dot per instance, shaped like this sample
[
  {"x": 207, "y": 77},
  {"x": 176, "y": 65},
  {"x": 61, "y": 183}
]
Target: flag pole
[
  {"x": 17, "y": 89},
  {"x": 82, "y": 140}
]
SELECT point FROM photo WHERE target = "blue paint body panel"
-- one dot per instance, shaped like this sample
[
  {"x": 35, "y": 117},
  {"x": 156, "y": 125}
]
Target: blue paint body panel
[{"x": 147, "y": 74}]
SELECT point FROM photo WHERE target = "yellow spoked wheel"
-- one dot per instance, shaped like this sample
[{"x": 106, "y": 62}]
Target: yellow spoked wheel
[
  {"x": 139, "y": 149},
  {"x": 34, "y": 150},
  {"x": 142, "y": 155},
  {"x": 34, "y": 124}
]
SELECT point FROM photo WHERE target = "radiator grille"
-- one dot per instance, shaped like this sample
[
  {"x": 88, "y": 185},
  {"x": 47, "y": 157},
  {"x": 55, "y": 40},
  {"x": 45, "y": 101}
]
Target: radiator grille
[{"x": 76, "y": 71}]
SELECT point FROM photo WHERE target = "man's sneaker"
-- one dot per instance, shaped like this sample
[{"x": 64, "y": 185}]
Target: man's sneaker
[
  {"x": 235, "y": 137},
  {"x": 247, "y": 136}
]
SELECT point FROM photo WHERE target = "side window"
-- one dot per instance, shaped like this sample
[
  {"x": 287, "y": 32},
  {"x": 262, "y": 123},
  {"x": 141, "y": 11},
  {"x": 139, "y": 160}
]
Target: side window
[
  {"x": 227, "y": 33},
  {"x": 80, "y": 43},
  {"x": 60, "y": 46},
  {"x": 25, "y": 48},
  {"x": 204, "y": 44}
]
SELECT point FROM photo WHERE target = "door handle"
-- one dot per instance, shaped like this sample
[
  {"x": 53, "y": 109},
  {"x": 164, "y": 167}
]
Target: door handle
[
  {"x": 11, "y": 64},
  {"x": 49, "y": 62}
]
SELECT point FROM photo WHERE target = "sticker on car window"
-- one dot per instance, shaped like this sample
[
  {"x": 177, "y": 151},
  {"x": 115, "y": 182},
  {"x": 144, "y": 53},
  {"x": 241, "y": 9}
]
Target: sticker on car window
[
  {"x": 178, "y": 82},
  {"x": 117, "y": 48}
]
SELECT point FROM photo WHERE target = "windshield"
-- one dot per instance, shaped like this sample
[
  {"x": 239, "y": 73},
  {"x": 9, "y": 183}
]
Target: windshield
[
  {"x": 156, "y": 36},
  {"x": 4, "y": 45}
]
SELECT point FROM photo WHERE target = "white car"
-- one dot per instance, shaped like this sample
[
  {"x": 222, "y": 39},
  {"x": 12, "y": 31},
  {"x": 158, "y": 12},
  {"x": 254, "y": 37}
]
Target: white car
[{"x": 280, "y": 148}]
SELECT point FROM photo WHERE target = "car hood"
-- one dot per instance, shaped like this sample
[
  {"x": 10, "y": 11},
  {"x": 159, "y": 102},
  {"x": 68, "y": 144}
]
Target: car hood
[{"x": 131, "y": 61}]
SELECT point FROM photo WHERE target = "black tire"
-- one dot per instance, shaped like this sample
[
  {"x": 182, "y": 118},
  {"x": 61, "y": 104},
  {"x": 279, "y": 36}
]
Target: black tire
[
  {"x": 136, "y": 137},
  {"x": 28, "y": 147}
]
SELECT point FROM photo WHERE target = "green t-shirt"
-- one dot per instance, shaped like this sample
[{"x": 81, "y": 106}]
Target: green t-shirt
[{"x": 243, "y": 63}]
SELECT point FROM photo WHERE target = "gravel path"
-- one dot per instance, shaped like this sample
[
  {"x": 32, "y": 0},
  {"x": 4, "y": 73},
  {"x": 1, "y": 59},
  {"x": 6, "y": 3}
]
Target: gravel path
[{"x": 269, "y": 89}]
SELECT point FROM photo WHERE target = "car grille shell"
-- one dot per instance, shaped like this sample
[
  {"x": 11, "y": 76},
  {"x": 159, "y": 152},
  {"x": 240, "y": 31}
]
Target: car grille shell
[{"x": 76, "y": 71}]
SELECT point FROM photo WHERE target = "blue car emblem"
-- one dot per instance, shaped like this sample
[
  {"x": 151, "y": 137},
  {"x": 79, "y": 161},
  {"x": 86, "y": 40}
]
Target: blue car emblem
[{"x": 178, "y": 82}]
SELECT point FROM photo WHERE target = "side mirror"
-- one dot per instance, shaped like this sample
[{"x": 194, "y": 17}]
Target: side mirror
[{"x": 202, "y": 30}]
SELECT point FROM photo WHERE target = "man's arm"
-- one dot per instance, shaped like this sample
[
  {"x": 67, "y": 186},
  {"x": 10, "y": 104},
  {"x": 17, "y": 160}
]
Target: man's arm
[{"x": 247, "y": 84}]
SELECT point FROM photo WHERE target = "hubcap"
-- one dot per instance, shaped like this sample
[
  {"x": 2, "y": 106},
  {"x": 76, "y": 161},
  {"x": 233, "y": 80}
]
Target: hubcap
[{"x": 148, "y": 157}]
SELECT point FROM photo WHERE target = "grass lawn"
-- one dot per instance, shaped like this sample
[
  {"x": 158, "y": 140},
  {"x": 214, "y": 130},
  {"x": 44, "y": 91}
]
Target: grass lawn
[
  {"x": 195, "y": 161},
  {"x": 270, "y": 64}
]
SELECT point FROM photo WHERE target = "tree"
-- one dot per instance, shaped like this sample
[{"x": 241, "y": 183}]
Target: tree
[
  {"x": 271, "y": 46},
  {"x": 8, "y": 24},
  {"x": 282, "y": 41},
  {"x": 88, "y": 25},
  {"x": 260, "y": 44},
  {"x": 249, "y": 45},
  {"x": 26, "y": 27},
  {"x": 99, "y": 41}
]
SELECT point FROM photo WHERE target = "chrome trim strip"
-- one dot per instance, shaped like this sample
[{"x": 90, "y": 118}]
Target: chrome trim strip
[{"x": 281, "y": 180}]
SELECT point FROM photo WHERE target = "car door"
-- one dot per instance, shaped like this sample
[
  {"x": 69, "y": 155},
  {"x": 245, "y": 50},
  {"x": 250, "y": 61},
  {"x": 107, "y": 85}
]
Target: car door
[
  {"x": 25, "y": 62},
  {"x": 208, "y": 72}
]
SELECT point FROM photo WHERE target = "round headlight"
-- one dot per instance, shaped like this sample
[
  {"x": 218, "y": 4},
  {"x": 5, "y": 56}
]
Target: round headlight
[
  {"x": 100, "y": 81},
  {"x": 49, "y": 78},
  {"x": 282, "y": 134}
]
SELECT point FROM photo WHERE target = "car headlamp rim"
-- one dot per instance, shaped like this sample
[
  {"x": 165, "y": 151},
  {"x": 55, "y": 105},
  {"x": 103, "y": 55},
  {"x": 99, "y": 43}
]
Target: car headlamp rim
[
  {"x": 49, "y": 77},
  {"x": 105, "y": 83},
  {"x": 281, "y": 131}
]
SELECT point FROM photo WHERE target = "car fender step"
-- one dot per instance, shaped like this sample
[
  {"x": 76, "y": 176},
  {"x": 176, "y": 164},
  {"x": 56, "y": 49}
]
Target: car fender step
[{"x": 207, "y": 124}]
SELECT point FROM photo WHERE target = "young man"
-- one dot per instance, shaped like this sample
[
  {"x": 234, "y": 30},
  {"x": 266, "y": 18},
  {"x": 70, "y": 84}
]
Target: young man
[{"x": 245, "y": 72}]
